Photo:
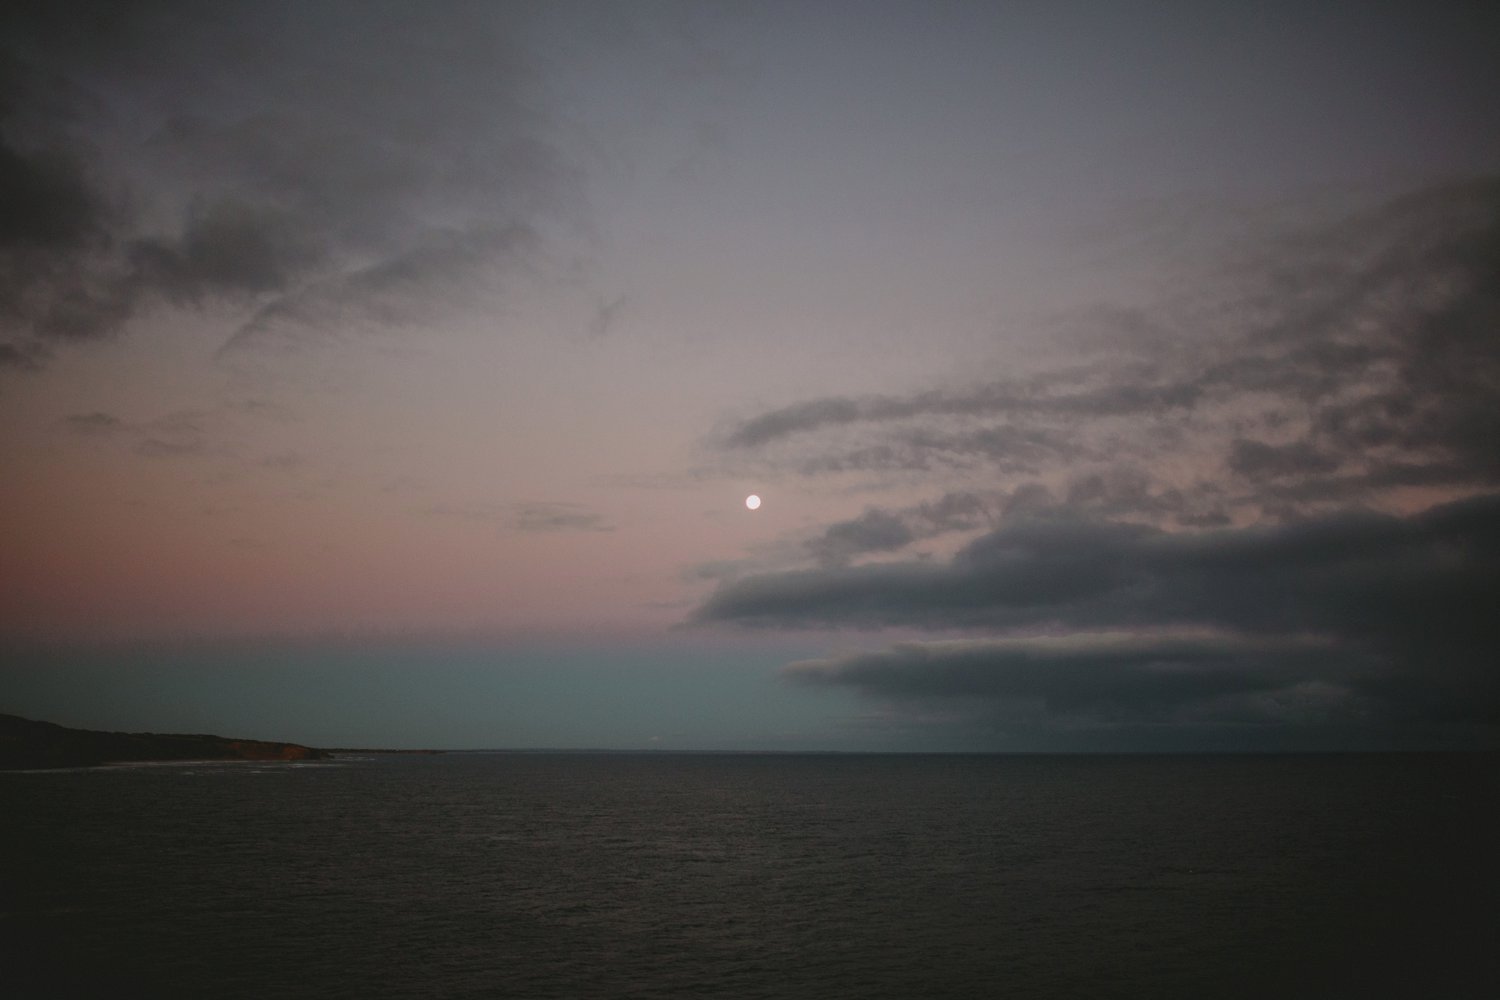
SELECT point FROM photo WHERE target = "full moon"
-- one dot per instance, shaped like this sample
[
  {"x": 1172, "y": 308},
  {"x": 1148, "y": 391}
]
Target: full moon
[{"x": 752, "y": 501}]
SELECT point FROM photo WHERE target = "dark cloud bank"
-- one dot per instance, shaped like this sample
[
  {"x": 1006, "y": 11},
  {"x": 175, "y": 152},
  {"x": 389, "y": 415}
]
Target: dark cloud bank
[
  {"x": 1330, "y": 560},
  {"x": 299, "y": 162},
  {"x": 1388, "y": 618}
]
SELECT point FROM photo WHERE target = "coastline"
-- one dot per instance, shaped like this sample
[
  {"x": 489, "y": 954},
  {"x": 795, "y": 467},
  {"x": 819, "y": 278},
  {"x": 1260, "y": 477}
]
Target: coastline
[{"x": 28, "y": 744}]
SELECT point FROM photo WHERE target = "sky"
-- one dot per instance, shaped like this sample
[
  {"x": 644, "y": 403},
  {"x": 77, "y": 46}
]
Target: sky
[{"x": 1114, "y": 376}]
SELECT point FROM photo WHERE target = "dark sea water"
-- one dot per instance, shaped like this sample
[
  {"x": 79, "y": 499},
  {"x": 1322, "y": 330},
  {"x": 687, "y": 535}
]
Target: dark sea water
[{"x": 618, "y": 875}]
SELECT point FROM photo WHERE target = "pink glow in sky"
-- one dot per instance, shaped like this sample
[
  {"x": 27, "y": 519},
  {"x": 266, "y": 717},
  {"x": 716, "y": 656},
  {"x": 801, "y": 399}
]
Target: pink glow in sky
[{"x": 504, "y": 339}]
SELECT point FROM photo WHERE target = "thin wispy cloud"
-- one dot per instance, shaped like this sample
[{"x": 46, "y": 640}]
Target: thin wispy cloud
[
  {"x": 529, "y": 517},
  {"x": 1361, "y": 361},
  {"x": 557, "y": 516},
  {"x": 94, "y": 424}
]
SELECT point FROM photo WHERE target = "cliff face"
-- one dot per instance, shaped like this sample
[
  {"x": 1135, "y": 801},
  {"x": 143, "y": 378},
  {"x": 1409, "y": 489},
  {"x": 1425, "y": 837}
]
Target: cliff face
[{"x": 25, "y": 743}]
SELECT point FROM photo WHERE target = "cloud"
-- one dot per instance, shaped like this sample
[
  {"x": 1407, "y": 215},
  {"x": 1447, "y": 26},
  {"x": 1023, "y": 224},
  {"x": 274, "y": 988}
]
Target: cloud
[
  {"x": 306, "y": 163},
  {"x": 873, "y": 531},
  {"x": 1332, "y": 365},
  {"x": 20, "y": 357},
  {"x": 227, "y": 249},
  {"x": 50, "y": 205},
  {"x": 1257, "y": 459},
  {"x": 94, "y": 424},
  {"x": 1106, "y": 677},
  {"x": 548, "y": 516},
  {"x": 532, "y": 516},
  {"x": 1008, "y": 399},
  {"x": 881, "y": 530},
  {"x": 160, "y": 448},
  {"x": 953, "y": 511},
  {"x": 285, "y": 461},
  {"x": 1275, "y": 500},
  {"x": 801, "y": 417},
  {"x": 213, "y": 432},
  {"x": 1414, "y": 595},
  {"x": 606, "y": 316},
  {"x": 393, "y": 292},
  {"x": 1354, "y": 570}
]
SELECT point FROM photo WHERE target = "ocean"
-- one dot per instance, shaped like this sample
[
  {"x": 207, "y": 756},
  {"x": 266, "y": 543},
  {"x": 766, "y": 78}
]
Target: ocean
[{"x": 598, "y": 875}]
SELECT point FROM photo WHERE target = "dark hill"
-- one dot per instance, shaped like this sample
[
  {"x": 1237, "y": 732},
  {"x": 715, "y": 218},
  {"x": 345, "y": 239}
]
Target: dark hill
[{"x": 25, "y": 743}]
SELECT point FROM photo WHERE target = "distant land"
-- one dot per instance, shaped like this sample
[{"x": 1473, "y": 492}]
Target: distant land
[{"x": 26, "y": 743}]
